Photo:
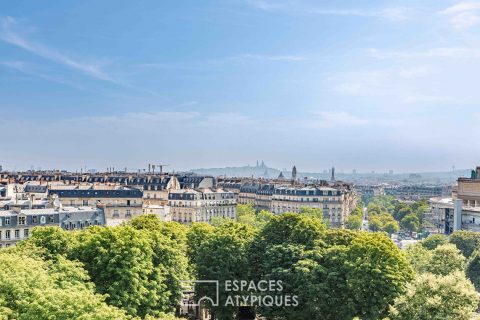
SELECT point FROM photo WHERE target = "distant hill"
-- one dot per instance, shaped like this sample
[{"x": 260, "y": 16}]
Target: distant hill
[
  {"x": 258, "y": 171},
  {"x": 263, "y": 171}
]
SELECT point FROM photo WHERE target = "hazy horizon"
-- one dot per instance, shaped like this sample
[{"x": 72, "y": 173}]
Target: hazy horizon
[
  {"x": 383, "y": 85},
  {"x": 171, "y": 168}
]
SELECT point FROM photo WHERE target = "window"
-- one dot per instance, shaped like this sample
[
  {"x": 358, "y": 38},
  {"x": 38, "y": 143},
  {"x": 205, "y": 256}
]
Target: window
[
  {"x": 25, "y": 233},
  {"x": 128, "y": 214},
  {"x": 21, "y": 221},
  {"x": 35, "y": 219},
  {"x": 51, "y": 218},
  {"x": 7, "y": 234},
  {"x": 7, "y": 221},
  {"x": 115, "y": 214},
  {"x": 72, "y": 202},
  {"x": 1, "y": 222},
  {"x": 17, "y": 234},
  {"x": 85, "y": 203},
  {"x": 43, "y": 220},
  {"x": 128, "y": 202},
  {"x": 0, "y": 235}
]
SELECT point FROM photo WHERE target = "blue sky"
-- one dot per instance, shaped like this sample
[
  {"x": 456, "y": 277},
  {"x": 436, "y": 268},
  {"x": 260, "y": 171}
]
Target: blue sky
[{"x": 374, "y": 85}]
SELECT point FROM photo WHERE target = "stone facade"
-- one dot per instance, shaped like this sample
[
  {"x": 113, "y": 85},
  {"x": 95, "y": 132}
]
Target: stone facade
[
  {"x": 201, "y": 205},
  {"x": 17, "y": 225},
  {"x": 120, "y": 203}
]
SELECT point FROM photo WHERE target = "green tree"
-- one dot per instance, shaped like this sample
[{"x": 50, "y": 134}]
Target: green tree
[
  {"x": 383, "y": 222},
  {"x": 434, "y": 241},
  {"x": 197, "y": 235},
  {"x": 410, "y": 222},
  {"x": 473, "y": 269},
  {"x": 168, "y": 241},
  {"x": 377, "y": 274},
  {"x": 433, "y": 297},
  {"x": 358, "y": 211},
  {"x": 391, "y": 227},
  {"x": 419, "y": 257},
  {"x": 354, "y": 222},
  {"x": 262, "y": 218},
  {"x": 53, "y": 240},
  {"x": 287, "y": 228},
  {"x": 357, "y": 274},
  {"x": 402, "y": 213},
  {"x": 339, "y": 237},
  {"x": 37, "y": 289},
  {"x": 220, "y": 221},
  {"x": 466, "y": 241},
  {"x": 246, "y": 214},
  {"x": 445, "y": 259},
  {"x": 119, "y": 262},
  {"x": 316, "y": 213},
  {"x": 223, "y": 256},
  {"x": 375, "y": 209}
]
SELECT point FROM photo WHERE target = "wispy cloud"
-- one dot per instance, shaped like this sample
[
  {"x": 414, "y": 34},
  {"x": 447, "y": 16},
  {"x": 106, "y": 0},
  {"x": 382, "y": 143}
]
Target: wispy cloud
[
  {"x": 416, "y": 72},
  {"x": 463, "y": 15},
  {"x": 31, "y": 70},
  {"x": 9, "y": 34},
  {"x": 395, "y": 13},
  {"x": 443, "y": 52},
  {"x": 261, "y": 57},
  {"x": 328, "y": 119},
  {"x": 393, "y": 84}
]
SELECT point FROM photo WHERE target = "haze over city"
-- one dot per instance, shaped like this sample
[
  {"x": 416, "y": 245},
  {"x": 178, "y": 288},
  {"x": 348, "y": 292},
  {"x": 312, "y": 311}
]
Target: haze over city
[{"x": 383, "y": 85}]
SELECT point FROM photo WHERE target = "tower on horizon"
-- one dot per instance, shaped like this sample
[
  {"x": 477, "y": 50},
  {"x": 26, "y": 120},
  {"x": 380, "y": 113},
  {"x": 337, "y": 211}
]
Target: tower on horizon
[
  {"x": 333, "y": 174},
  {"x": 294, "y": 173}
]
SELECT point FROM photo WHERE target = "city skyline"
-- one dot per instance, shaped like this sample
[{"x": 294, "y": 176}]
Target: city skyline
[{"x": 379, "y": 86}]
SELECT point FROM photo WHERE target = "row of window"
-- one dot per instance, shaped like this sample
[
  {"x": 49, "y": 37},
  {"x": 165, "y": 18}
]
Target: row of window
[
  {"x": 116, "y": 214},
  {"x": 86, "y": 203},
  {"x": 7, "y": 234},
  {"x": 23, "y": 221},
  {"x": 306, "y": 199},
  {"x": 80, "y": 225}
]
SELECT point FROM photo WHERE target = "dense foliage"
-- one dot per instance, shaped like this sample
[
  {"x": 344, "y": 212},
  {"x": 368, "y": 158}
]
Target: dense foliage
[
  {"x": 135, "y": 271},
  {"x": 441, "y": 289},
  {"x": 389, "y": 215},
  {"x": 32, "y": 288},
  {"x": 429, "y": 297}
]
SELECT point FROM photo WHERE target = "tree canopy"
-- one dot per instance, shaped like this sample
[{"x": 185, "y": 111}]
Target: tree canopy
[{"x": 430, "y": 297}]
